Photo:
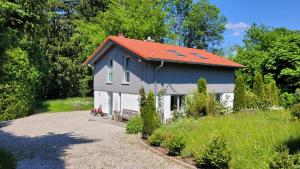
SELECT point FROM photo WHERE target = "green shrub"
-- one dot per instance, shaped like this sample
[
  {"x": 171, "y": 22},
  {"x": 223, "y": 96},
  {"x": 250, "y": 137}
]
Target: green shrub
[
  {"x": 216, "y": 155},
  {"x": 295, "y": 110},
  {"x": 134, "y": 125},
  {"x": 149, "y": 116},
  {"x": 175, "y": 144},
  {"x": 286, "y": 99},
  {"x": 273, "y": 93},
  {"x": 196, "y": 105},
  {"x": 239, "y": 94},
  {"x": 251, "y": 100},
  {"x": 176, "y": 115},
  {"x": 296, "y": 159},
  {"x": 212, "y": 107},
  {"x": 281, "y": 158},
  {"x": 156, "y": 139},
  {"x": 297, "y": 96},
  {"x": 258, "y": 86},
  {"x": 202, "y": 86},
  {"x": 7, "y": 161}
]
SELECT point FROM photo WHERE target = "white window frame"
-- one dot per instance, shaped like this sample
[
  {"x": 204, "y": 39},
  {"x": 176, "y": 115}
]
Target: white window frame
[
  {"x": 110, "y": 65},
  {"x": 179, "y": 107},
  {"x": 126, "y": 62}
]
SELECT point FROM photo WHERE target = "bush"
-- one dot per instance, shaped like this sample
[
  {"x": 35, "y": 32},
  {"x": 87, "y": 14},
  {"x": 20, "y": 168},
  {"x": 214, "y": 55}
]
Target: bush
[
  {"x": 216, "y": 155},
  {"x": 156, "y": 139},
  {"x": 176, "y": 115},
  {"x": 149, "y": 116},
  {"x": 239, "y": 94},
  {"x": 250, "y": 100},
  {"x": 202, "y": 86},
  {"x": 175, "y": 144},
  {"x": 212, "y": 107},
  {"x": 258, "y": 86},
  {"x": 196, "y": 105},
  {"x": 6, "y": 160},
  {"x": 286, "y": 99},
  {"x": 281, "y": 158},
  {"x": 295, "y": 110},
  {"x": 134, "y": 125}
]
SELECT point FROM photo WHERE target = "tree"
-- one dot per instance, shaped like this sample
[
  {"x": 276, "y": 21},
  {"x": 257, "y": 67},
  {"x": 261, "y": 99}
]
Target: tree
[
  {"x": 258, "y": 86},
  {"x": 202, "y": 86},
  {"x": 274, "y": 53},
  {"x": 136, "y": 19},
  {"x": 212, "y": 109},
  {"x": 272, "y": 93},
  {"x": 239, "y": 94},
  {"x": 149, "y": 116},
  {"x": 203, "y": 26}
]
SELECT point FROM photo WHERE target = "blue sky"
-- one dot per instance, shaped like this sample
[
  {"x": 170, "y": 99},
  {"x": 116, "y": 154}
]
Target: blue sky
[{"x": 241, "y": 14}]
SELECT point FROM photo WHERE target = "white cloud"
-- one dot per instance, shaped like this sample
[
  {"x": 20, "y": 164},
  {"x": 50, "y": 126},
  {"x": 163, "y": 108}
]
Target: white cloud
[{"x": 237, "y": 28}]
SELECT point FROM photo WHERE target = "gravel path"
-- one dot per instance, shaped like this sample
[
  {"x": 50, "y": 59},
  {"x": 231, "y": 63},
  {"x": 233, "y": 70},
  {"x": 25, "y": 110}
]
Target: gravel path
[{"x": 75, "y": 140}]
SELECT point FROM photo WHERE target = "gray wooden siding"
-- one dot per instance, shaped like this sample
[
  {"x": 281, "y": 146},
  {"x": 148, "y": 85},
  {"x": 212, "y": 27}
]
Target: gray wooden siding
[{"x": 174, "y": 77}]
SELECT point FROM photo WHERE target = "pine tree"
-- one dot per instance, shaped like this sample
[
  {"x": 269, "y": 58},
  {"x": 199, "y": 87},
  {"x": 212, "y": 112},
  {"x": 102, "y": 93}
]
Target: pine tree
[
  {"x": 273, "y": 93},
  {"x": 202, "y": 86},
  {"x": 258, "y": 86},
  {"x": 239, "y": 94},
  {"x": 211, "y": 104},
  {"x": 142, "y": 98},
  {"x": 149, "y": 116}
]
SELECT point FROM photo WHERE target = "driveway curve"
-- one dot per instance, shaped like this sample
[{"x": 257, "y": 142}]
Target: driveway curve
[{"x": 76, "y": 140}]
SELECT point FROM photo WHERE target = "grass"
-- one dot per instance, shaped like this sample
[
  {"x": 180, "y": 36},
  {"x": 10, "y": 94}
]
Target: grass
[
  {"x": 64, "y": 105},
  {"x": 252, "y": 136},
  {"x": 6, "y": 160}
]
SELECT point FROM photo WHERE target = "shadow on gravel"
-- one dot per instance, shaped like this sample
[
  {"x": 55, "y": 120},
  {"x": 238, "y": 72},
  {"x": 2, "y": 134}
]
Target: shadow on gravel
[{"x": 41, "y": 152}]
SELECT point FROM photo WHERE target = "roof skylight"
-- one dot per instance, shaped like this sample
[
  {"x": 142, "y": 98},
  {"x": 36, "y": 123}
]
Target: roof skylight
[
  {"x": 176, "y": 53},
  {"x": 199, "y": 55}
]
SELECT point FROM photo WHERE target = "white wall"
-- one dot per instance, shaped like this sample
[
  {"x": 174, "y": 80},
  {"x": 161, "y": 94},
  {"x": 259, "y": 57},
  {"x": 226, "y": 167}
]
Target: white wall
[
  {"x": 116, "y": 102},
  {"x": 227, "y": 99},
  {"x": 130, "y": 101},
  {"x": 167, "y": 107},
  {"x": 101, "y": 99}
]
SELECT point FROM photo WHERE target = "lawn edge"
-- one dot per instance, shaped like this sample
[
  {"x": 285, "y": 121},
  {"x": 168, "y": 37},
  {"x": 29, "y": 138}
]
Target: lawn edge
[{"x": 139, "y": 137}]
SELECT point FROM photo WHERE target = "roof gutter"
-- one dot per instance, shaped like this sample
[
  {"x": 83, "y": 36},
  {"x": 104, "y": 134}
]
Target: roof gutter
[{"x": 155, "y": 75}]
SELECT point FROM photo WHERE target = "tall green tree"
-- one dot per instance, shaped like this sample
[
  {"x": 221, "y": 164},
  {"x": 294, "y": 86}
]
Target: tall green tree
[
  {"x": 239, "y": 94},
  {"x": 135, "y": 19},
  {"x": 258, "y": 86},
  {"x": 203, "y": 26},
  {"x": 202, "y": 87},
  {"x": 274, "y": 52}
]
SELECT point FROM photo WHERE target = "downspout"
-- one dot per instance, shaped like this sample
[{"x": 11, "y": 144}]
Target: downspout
[{"x": 155, "y": 75}]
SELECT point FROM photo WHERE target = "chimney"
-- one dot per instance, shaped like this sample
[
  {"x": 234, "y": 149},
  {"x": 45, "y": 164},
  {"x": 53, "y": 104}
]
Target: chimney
[
  {"x": 149, "y": 39},
  {"x": 121, "y": 35}
]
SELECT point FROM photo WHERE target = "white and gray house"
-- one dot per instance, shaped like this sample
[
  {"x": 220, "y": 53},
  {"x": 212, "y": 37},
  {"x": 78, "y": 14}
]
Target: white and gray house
[{"x": 122, "y": 66}]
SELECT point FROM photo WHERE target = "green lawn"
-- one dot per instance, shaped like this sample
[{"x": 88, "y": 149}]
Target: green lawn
[
  {"x": 251, "y": 136},
  {"x": 64, "y": 105}
]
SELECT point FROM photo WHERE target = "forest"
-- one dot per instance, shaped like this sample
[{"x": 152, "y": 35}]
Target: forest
[{"x": 44, "y": 43}]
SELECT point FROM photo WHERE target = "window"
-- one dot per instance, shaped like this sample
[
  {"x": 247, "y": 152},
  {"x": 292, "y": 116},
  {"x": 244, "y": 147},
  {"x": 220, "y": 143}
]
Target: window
[
  {"x": 110, "y": 71},
  {"x": 126, "y": 70},
  {"x": 199, "y": 55},
  {"x": 177, "y": 102},
  {"x": 218, "y": 97}
]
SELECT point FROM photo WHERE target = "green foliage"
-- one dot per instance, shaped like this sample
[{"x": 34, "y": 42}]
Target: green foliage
[
  {"x": 134, "y": 125},
  {"x": 274, "y": 52},
  {"x": 149, "y": 116},
  {"x": 216, "y": 155},
  {"x": 177, "y": 115},
  {"x": 281, "y": 158},
  {"x": 175, "y": 144},
  {"x": 196, "y": 104},
  {"x": 202, "y": 88},
  {"x": 239, "y": 94},
  {"x": 142, "y": 99},
  {"x": 297, "y": 96},
  {"x": 251, "y": 135},
  {"x": 295, "y": 110},
  {"x": 7, "y": 161},
  {"x": 157, "y": 138},
  {"x": 135, "y": 19},
  {"x": 212, "y": 106},
  {"x": 286, "y": 99},
  {"x": 203, "y": 26},
  {"x": 271, "y": 93},
  {"x": 258, "y": 86}
]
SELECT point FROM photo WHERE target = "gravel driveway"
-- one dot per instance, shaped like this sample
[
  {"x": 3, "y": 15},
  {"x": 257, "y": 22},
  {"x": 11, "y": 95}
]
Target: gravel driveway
[{"x": 75, "y": 140}]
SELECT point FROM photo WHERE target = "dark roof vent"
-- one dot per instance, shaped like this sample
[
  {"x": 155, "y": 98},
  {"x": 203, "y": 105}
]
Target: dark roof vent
[
  {"x": 176, "y": 53},
  {"x": 199, "y": 55}
]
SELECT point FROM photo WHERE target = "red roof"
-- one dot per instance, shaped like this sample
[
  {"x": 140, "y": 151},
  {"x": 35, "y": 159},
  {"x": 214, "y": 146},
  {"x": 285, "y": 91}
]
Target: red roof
[{"x": 157, "y": 51}]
